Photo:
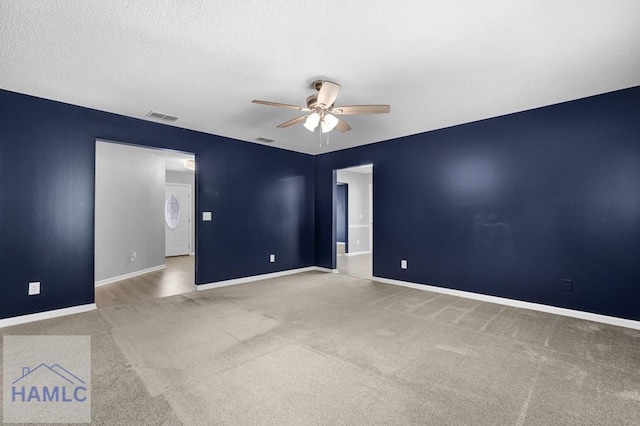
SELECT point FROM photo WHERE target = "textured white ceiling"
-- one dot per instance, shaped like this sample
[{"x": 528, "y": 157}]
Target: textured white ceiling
[{"x": 437, "y": 63}]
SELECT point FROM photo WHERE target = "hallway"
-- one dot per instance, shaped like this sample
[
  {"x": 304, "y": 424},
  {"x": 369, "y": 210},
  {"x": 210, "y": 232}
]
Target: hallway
[{"x": 356, "y": 266}]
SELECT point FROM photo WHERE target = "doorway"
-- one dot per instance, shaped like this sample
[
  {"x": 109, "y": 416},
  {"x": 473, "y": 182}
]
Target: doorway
[
  {"x": 139, "y": 193},
  {"x": 354, "y": 191}
]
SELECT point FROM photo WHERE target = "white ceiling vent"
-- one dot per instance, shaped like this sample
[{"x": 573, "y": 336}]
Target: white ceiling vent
[
  {"x": 265, "y": 140},
  {"x": 161, "y": 116}
]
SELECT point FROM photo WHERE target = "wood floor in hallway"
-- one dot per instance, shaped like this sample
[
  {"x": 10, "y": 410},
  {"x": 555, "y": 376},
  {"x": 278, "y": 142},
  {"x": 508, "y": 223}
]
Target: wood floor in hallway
[
  {"x": 360, "y": 265},
  {"x": 177, "y": 278}
]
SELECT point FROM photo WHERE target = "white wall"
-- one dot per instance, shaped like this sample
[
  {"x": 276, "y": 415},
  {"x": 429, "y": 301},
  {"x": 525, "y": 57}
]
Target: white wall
[
  {"x": 129, "y": 214},
  {"x": 171, "y": 176},
  {"x": 188, "y": 178},
  {"x": 358, "y": 194}
]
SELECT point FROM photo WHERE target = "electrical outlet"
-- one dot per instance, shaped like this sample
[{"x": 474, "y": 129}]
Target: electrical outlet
[
  {"x": 567, "y": 284},
  {"x": 403, "y": 264},
  {"x": 132, "y": 256},
  {"x": 34, "y": 288},
  {"x": 272, "y": 258}
]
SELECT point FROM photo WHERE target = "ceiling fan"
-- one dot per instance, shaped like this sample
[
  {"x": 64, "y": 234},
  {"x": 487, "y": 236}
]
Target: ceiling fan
[{"x": 321, "y": 110}]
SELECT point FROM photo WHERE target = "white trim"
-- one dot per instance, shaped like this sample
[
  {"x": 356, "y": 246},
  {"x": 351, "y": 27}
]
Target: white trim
[
  {"x": 589, "y": 316},
  {"x": 357, "y": 253},
  {"x": 339, "y": 243},
  {"x": 129, "y": 275},
  {"x": 23, "y": 319},
  {"x": 358, "y": 226},
  {"x": 370, "y": 196},
  {"x": 244, "y": 280}
]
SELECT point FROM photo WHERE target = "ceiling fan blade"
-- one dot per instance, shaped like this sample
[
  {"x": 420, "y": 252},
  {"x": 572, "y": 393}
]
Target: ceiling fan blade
[
  {"x": 362, "y": 109},
  {"x": 342, "y": 126},
  {"x": 293, "y": 121},
  {"x": 328, "y": 93},
  {"x": 278, "y": 104}
]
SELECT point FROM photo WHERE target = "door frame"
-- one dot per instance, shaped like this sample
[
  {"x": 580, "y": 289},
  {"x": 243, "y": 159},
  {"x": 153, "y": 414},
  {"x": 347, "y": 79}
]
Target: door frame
[
  {"x": 371, "y": 215},
  {"x": 195, "y": 190},
  {"x": 346, "y": 215},
  {"x": 334, "y": 210}
]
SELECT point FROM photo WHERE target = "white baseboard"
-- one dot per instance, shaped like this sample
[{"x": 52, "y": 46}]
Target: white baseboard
[
  {"x": 244, "y": 280},
  {"x": 129, "y": 275},
  {"x": 357, "y": 253},
  {"x": 339, "y": 243},
  {"x": 23, "y": 319},
  {"x": 620, "y": 322}
]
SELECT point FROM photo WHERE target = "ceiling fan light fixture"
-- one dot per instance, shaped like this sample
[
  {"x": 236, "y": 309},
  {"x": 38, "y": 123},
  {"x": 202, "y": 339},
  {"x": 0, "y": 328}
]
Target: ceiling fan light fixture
[
  {"x": 312, "y": 121},
  {"x": 190, "y": 165},
  {"x": 321, "y": 111},
  {"x": 329, "y": 122}
]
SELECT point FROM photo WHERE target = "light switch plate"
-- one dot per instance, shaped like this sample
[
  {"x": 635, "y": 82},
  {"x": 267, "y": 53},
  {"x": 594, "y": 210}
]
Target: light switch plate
[
  {"x": 272, "y": 258},
  {"x": 403, "y": 264},
  {"x": 206, "y": 216},
  {"x": 34, "y": 288}
]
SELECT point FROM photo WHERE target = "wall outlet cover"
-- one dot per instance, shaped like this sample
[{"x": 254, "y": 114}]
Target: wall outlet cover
[
  {"x": 206, "y": 216},
  {"x": 403, "y": 264},
  {"x": 272, "y": 258},
  {"x": 567, "y": 284}
]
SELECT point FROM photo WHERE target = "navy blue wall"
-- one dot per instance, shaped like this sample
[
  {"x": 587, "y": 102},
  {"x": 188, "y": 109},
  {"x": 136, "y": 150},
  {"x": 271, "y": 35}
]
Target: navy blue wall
[
  {"x": 341, "y": 213},
  {"x": 261, "y": 198},
  {"x": 510, "y": 206}
]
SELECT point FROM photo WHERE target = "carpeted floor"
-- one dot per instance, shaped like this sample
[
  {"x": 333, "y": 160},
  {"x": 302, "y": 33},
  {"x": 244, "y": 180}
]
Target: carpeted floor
[{"x": 320, "y": 348}]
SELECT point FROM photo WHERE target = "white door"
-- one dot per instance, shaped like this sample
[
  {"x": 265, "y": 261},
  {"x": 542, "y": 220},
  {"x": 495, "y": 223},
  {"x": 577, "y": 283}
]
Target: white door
[{"x": 177, "y": 224}]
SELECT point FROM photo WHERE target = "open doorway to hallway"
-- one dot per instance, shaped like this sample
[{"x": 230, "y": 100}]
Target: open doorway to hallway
[
  {"x": 354, "y": 221},
  {"x": 144, "y": 223}
]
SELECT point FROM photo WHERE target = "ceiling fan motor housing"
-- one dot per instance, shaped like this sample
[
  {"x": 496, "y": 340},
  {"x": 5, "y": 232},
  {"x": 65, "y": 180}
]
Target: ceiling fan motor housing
[
  {"x": 312, "y": 101},
  {"x": 317, "y": 84}
]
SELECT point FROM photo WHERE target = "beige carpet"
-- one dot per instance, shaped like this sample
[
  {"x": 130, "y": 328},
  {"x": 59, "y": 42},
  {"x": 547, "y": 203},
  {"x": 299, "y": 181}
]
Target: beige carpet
[{"x": 321, "y": 348}]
